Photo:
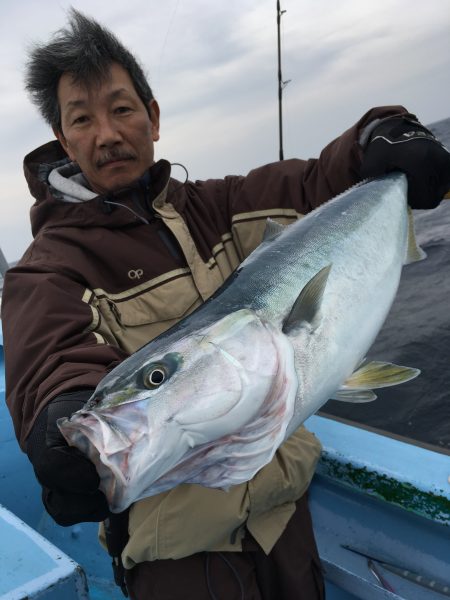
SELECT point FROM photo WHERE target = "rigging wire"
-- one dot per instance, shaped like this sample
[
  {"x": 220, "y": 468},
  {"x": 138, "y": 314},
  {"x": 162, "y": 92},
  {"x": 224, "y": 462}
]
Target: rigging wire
[{"x": 164, "y": 44}]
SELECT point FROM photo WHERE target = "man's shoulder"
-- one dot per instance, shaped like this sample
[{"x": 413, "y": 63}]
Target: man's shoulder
[{"x": 31, "y": 260}]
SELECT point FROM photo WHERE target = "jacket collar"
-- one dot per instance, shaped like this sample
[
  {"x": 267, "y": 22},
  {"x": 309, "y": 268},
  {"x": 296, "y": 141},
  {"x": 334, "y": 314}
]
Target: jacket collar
[{"x": 103, "y": 210}]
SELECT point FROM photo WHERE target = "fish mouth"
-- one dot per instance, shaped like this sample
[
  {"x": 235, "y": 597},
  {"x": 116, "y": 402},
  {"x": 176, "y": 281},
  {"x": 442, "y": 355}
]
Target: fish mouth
[{"x": 107, "y": 441}]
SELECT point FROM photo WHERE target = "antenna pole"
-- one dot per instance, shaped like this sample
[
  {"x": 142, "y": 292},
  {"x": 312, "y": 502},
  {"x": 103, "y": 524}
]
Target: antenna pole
[{"x": 280, "y": 82}]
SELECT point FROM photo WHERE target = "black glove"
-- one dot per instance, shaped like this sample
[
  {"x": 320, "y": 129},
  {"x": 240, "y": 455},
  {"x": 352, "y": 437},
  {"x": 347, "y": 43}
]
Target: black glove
[
  {"x": 402, "y": 144},
  {"x": 69, "y": 480}
]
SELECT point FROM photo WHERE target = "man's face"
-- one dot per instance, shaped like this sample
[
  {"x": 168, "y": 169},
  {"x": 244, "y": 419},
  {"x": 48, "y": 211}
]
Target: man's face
[{"x": 107, "y": 129}]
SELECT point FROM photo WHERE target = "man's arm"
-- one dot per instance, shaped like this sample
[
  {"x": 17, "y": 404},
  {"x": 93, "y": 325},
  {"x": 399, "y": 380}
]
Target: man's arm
[
  {"x": 284, "y": 190},
  {"x": 53, "y": 362},
  {"x": 50, "y": 343}
]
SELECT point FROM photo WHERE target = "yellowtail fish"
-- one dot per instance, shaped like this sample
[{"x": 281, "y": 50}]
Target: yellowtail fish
[{"x": 210, "y": 400}]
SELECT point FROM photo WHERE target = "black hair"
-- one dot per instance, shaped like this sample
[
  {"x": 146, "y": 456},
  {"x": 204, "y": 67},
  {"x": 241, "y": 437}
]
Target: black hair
[{"x": 86, "y": 50}]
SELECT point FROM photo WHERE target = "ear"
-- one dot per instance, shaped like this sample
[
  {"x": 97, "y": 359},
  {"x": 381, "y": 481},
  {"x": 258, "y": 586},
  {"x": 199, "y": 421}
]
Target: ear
[
  {"x": 153, "y": 108},
  {"x": 62, "y": 140}
]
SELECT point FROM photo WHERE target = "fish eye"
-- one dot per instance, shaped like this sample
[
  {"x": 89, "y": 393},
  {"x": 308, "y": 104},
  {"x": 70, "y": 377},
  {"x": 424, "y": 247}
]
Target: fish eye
[
  {"x": 155, "y": 377},
  {"x": 156, "y": 373}
]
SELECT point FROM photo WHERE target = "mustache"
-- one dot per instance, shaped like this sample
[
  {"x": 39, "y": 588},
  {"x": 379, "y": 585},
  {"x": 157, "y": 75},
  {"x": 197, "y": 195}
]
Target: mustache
[{"x": 112, "y": 155}]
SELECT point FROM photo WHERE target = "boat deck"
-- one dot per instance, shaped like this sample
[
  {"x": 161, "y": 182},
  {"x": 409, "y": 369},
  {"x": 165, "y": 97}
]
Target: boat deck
[{"x": 379, "y": 495}]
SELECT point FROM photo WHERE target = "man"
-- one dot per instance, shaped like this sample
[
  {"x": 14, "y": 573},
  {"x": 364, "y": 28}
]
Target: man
[{"x": 121, "y": 252}]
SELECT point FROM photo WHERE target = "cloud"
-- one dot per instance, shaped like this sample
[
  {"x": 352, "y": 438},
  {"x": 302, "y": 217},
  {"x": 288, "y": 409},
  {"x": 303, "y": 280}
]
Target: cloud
[{"x": 213, "y": 67}]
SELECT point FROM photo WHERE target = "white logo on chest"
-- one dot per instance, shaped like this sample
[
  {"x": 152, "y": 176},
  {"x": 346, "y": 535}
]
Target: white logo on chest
[{"x": 135, "y": 273}]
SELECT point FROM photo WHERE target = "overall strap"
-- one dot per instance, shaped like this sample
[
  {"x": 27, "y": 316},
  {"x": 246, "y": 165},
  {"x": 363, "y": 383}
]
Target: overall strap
[{"x": 116, "y": 534}]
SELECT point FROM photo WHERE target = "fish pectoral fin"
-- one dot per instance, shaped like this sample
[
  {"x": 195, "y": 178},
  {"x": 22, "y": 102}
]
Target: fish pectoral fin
[
  {"x": 356, "y": 396},
  {"x": 377, "y": 374},
  {"x": 414, "y": 252},
  {"x": 272, "y": 230},
  {"x": 307, "y": 305}
]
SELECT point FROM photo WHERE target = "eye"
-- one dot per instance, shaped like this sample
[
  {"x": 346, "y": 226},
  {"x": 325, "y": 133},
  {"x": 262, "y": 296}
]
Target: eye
[
  {"x": 155, "y": 377},
  {"x": 156, "y": 373},
  {"x": 121, "y": 110},
  {"x": 80, "y": 120}
]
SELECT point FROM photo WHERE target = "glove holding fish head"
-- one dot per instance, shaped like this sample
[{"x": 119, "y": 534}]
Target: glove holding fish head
[
  {"x": 69, "y": 480},
  {"x": 404, "y": 144}
]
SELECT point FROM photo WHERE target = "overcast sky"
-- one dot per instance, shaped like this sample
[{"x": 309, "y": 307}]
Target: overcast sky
[{"x": 213, "y": 68}]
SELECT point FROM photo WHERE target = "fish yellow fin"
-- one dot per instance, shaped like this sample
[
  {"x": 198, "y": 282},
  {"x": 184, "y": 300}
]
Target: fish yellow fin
[
  {"x": 355, "y": 396},
  {"x": 414, "y": 252},
  {"x": 308, "y": 303},
  {"x": 377, "y": 374},
  {"x": 272, "y": 230}
]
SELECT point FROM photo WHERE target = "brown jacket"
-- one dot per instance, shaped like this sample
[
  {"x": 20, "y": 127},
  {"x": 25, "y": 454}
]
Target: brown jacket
[{"x": 105, "y": 276}]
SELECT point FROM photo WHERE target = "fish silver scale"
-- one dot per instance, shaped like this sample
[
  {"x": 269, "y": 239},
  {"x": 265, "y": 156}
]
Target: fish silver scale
[{"x": 243, "y": 385}]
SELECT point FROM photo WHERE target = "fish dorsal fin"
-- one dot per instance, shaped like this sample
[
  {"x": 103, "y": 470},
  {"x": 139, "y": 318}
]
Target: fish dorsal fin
[
  {"x": 272, "y": 230},
  {"x": 378, "y": 374},
  {"x": 355, "y": 396},
  {"x": 414, "y": 252},
  {"x": 307, "y": 305}
]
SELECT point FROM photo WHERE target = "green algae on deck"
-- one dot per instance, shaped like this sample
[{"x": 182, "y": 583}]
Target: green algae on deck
[{"x": 400, "y": 493}]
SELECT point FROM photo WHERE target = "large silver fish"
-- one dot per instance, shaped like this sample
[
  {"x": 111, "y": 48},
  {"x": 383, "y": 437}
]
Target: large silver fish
[{"x": 210, "y": 400}]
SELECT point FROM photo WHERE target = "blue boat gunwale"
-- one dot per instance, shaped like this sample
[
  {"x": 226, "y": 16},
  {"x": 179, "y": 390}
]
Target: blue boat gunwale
[
  {"x": 412, "y": 476},
  {"x": 50, "y": 566}
]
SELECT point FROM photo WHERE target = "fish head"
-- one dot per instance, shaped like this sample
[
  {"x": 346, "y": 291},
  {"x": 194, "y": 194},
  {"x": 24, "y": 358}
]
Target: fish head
[
  {"x": 183, "y": 397},
  {"x": 230, "y": 351}
]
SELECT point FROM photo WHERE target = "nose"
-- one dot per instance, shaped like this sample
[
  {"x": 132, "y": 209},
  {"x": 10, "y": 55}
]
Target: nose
[{"x": 107, "y": 133}]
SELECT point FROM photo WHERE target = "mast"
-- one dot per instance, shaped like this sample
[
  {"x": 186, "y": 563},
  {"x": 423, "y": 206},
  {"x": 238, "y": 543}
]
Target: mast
[{"x": 281, "y": 84}]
